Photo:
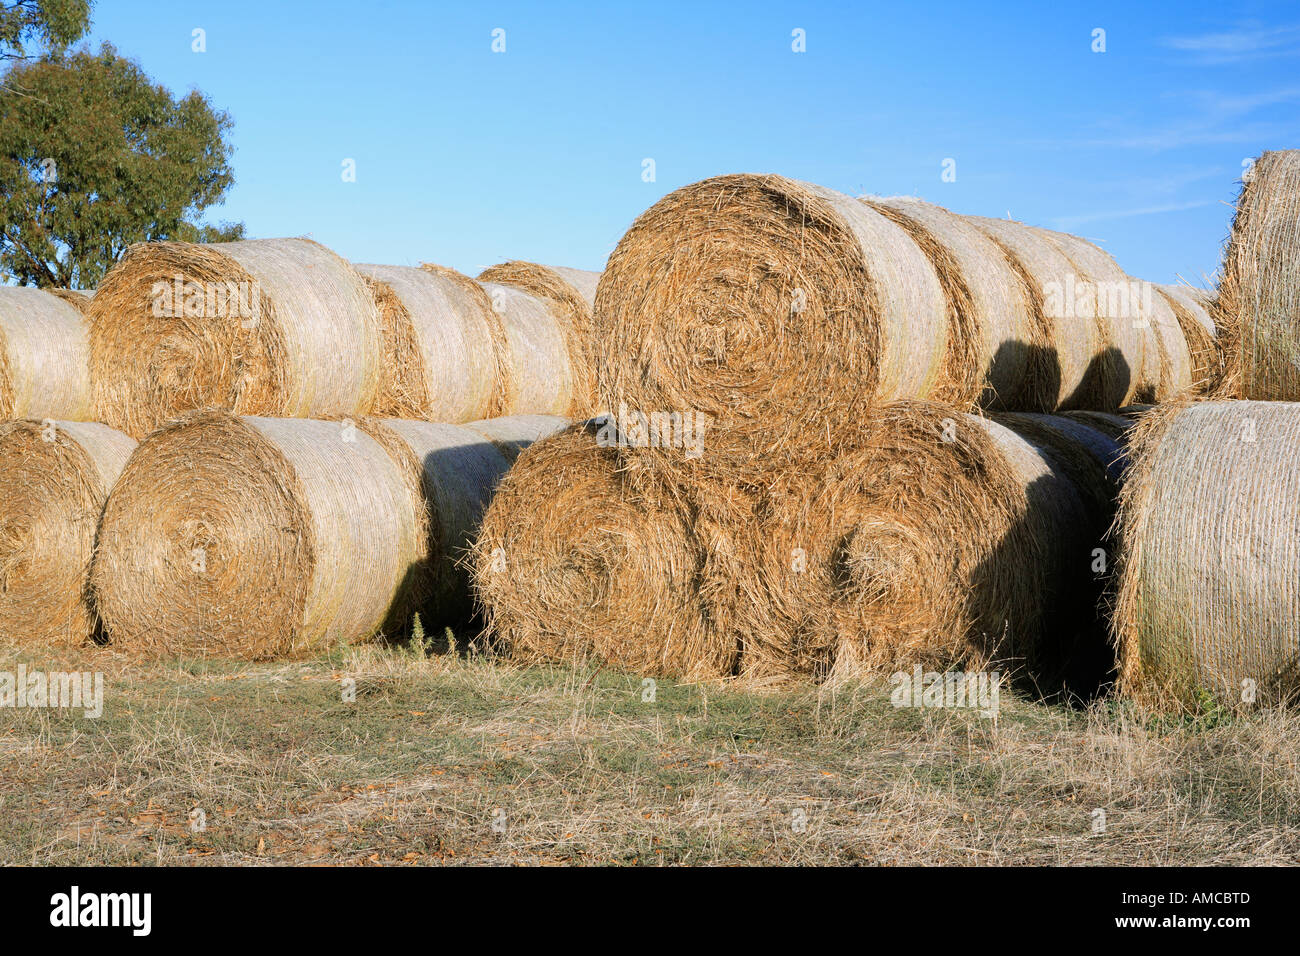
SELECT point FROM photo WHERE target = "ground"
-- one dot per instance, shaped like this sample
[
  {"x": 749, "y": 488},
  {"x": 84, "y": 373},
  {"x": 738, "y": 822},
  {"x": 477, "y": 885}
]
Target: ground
[{"x": 446, "y": 759}]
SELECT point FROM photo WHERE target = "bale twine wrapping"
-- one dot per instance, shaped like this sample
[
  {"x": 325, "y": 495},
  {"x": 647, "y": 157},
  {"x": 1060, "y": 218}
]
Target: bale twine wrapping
[
  {"x": 44, "y": 355},
  {"x": 1080, "y": 360},
  {"x": 542, "y": 373},
  {"x": 994, "y": 312},
  {"x": 777, "y": 309},
  {"x": 513, "y": 433},
  {"x": 571, "y": 566},
  {"x": 54, "y": 478},
  {"x": 573, "y": 293},
  {"x": 934, "y": 538},
  {"x": 1209, "y": 531},
  {"x": 1259, "y": 295},
  {"x": 446, "y": 356},
  {"x": 255, "y": 538},
  {"x": 1191, "y": 311},
  {"x": 276, "y": 327}
]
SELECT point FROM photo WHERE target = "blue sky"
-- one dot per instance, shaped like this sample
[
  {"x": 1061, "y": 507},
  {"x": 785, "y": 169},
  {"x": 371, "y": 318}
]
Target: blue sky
[{"x": 466, "y": 157}]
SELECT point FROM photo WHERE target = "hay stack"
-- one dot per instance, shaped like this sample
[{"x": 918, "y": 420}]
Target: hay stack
[
  {"x": 44, "y": 356},
  {"x": 512, "y": 434},
  {"x": 906, "y": 549},
  {"x": 255, "y": 537},
  {"x": 1210, "y": 555},
  {"x": 279, "y": 327},
  {"x": 54, "y": 477},
  {"x": 1191, "y": 308},
  {"x": 776, "y": 309},
  {"x": 446, "y": 355},
  {"x": 1258, "y": 309},
  {"x": 572, "y": 566}
]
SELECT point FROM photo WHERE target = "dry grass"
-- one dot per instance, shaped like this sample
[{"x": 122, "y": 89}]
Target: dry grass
[{"x": 578, "y": 768}]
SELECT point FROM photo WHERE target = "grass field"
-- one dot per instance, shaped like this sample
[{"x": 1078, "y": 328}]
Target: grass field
[{"x": 455, "y": 760}]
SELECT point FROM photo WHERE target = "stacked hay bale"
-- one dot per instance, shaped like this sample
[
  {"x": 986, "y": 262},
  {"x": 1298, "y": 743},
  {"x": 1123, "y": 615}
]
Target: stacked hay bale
[
  {"x": 264, "y": 537},
  {"x": 44, "y": 356},
  {"x": 277, "y": 327},
  {"x": 54, "y": 479},
  {"x": 1207, "y": 608},
  {"x": 1258, "y": 307},
  {"x": 1191, "y": 309}
]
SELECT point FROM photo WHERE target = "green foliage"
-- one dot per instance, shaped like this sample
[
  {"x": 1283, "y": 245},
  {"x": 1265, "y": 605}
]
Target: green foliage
[
  {"x": 94, "y": 157},
  {"x": 52, "y": 24}
]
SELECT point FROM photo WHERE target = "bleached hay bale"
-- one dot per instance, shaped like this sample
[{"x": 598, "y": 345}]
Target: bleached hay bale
[
  {"x": 274, "y": 327},
  {"x": 54, "y": 478},
  {"x": 1192, "y": 312},
  {"x": 44, "y": 355}
]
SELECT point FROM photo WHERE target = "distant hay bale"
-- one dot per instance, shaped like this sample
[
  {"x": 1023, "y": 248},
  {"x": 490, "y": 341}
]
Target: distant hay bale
[
  {"x": 54, "y": 477},
  {"x": 512, "y": 434},
  {"x": 1082, "y": 361},
  {"x": 446, "y": 352},
  {"x": 255, "y": 538},
  {"x": 938, "y": 539},
  {"x": 1259, "y": 296},
  {"x": 1210, "y": 554},
  {"x": 774, "y": 309},
  {"x": 542, "y": 370},
  {"x": 572, "y": 566},
  {"x": 1191, "y": 310},
  {"x": 1010, "y": 340},
  {"x": 276, "y": 327},
  {"x": 44, "y": 356}
]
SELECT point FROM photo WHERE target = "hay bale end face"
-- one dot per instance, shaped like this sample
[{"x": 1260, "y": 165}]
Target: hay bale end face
[
  {"x": 44, "y": 355},
  {"x": 572, "y": 566},
  {"x": 1208, "y": 607},
  {"x": 253, "y": 537},
  {"x": 54, "y": 479},
  {"x": 279, "y": 327}
]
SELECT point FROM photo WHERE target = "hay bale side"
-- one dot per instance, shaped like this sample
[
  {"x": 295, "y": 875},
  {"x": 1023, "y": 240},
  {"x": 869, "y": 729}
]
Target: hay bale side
[
  {"x": 543, "y": 378},
  {"x": 446, "y": 351},
  {"x": 253, "y": 537},
  {"x": 571, "y": 566},
  {"x": 1080, "y": 359},
  {"x": 1209, "y": 530},
  {"x": 54, "y": 479},
  {"x": 774, "y": 308},
  {"x": 1259, "y": 295},
  {"x": 278, "y": 327},
  {"x": 44, "y": 356},
  {"x": 573, "y": 293},
  {"x": 512, "y": 434},
  {"x": 1193, "y": 316}
]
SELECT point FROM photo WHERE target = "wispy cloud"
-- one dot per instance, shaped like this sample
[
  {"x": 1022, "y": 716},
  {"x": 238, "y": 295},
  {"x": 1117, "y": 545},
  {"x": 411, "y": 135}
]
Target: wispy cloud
[
  {"x": 1067, "y": 223},
  {"x": 1248, "y": 41}
]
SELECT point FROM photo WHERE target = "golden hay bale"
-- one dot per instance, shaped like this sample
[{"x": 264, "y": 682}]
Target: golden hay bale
[
  {"x": 1210, "y": 553},
  {"x": 446, "y": 356},
  {"x": 54, "y": 477},
  {"x": 1258, "y": 308},
  {"x": 776, "y": 309},
  {"x": 255, "y": 537},
  {"x": 451, "y": 471},
  {"x": 280, "y": 327},
  {"x": 541, "y": 365},
  {"x": 1192, "y": 312},
  {"x": 44, "y": 356},
  {"x": 572, "y": 566},
  {"x": 1011, "y": 341},
  {"x": 1082, "y": 362},
  {"x": 571, "y": 294},
  {"x": 935, "y": 538}
]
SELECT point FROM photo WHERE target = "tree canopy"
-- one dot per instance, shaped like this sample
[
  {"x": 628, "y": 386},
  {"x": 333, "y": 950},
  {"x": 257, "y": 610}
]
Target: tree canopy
[{"x": 51, "y": 23}]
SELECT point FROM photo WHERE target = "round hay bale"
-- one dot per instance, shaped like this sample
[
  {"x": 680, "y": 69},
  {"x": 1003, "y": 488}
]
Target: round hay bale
[
  {"x": 446, "y": 355},
  {"x": 776, "y": 310},
  {"x": 542, "y": 374},
  {"x": 255, "y": 538},
  {"x": 277, "y": 327},
  {"x": 1191, "y": 311},
  {"x": 513, "y": 433},
  {"x": 571, "y": 566},
  {"x": 44, "y": 355},
  {"x": 571, "y": 294},
  {"x": 1011, "y": 341},
  {"x": 1259, "y": 295},
  {"x": 54, "y": 478},
  {"x": 937, "y": 539},
  {"x": 1080, "y": 360},
  {"x": 1210, "y": 554}
]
